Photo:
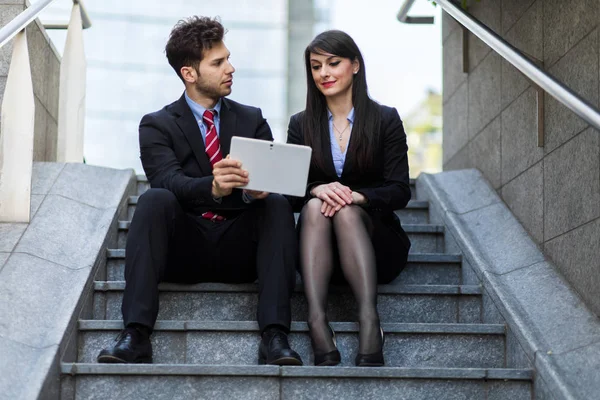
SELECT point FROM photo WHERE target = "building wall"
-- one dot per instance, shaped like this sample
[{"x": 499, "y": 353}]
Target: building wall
[
  {"x": 490, "y": 123},
  {"x": 45, "y": 71}
]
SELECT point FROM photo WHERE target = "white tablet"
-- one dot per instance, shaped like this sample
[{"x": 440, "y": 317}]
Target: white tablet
[{"x": 273, "y": 167}]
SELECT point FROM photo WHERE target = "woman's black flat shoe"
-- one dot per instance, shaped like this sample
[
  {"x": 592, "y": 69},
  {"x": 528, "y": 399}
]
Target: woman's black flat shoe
[
  {"x": 372, "y": 359},
  {"x": 328, "y": 359}
]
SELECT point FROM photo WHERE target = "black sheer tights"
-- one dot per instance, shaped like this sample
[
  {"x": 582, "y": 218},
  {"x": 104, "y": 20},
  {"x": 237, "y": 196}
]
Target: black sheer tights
[{"x": 352, "y": 227}]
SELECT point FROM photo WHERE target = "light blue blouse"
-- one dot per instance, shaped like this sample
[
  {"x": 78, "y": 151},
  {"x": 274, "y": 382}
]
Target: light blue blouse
[{"x": 339, "y": 158}]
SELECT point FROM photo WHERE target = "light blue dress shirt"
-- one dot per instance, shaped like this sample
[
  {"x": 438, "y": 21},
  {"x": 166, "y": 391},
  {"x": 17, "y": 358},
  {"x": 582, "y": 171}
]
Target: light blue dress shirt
[
  {"x": 198, "y": 112},
  {"x": 339, "y": 158}
]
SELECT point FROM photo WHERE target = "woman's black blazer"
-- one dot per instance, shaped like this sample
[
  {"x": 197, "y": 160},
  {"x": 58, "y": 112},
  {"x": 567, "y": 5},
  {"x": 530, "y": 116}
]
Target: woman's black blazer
[{"x": 386, "y": 185}]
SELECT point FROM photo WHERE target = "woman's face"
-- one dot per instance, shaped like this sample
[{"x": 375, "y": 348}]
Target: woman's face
[{"x": 332, "y": 74}]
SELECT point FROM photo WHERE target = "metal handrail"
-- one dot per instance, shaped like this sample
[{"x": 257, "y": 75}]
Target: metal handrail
[
  {"x": 514, "y": 56},
  {"x": 21, "y": 21},
  {"x": 404, "y": 17}
]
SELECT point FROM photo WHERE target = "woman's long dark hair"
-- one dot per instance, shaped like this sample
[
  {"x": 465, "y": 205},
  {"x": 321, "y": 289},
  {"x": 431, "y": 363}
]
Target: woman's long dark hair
[{"x": 367, "y": 119}]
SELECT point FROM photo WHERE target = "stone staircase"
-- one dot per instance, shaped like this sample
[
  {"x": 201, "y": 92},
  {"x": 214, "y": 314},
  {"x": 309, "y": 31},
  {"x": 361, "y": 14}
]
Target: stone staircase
[{"x": 206, "y": 338}]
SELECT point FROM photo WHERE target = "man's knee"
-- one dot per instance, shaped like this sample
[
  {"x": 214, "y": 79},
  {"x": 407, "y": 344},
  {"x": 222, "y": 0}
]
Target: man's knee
[
  {"x": 276, "y": 203},
  {"x": 155, "y": 200}
]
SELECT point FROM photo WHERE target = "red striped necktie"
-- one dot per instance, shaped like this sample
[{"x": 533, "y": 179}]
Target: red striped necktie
[{"x": 213, "y": 151}]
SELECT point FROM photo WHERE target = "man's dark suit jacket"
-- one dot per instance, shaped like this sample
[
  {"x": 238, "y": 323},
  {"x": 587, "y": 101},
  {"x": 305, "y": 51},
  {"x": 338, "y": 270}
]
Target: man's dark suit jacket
[
  {"x": 386, "y": 185},
  {"x": 173, "y": 153}
]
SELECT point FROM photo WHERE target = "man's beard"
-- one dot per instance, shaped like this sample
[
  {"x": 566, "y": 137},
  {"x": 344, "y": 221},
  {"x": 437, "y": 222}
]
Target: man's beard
[{"x": 210, "y": 91}]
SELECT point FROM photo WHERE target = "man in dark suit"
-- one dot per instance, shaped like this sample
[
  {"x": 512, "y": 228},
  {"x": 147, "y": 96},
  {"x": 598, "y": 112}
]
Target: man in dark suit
[{"x": 194, "y": 225}]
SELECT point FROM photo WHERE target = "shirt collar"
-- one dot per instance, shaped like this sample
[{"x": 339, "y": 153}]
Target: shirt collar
[
  {"x": 350, "y": 116},
  {"x": 198, "y": 110}
]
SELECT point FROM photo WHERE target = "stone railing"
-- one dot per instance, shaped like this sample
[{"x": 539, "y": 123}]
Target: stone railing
[{"x": 18, "y": 109}]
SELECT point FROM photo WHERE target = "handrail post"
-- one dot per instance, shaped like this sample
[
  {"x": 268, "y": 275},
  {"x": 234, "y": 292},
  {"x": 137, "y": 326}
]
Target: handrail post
[
  {"x": 16, "y": 136},
  {"x": 71, "y": 105}
]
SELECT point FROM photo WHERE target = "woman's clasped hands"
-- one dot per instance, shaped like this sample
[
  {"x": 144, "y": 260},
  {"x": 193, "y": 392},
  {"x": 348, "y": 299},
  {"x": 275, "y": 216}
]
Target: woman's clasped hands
[{"x": 335, "y": 196}]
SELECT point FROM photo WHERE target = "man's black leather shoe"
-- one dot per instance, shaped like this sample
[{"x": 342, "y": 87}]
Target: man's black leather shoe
[
  {"x": 275, "y": 349},
  {"x": 131, "y": 346}
]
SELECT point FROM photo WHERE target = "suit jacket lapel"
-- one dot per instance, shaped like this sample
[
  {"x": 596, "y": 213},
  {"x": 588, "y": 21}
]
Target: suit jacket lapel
[
  {"x": 326, "y": 149},
  {"x": 349, "y": 162},
  {"x": 227, "y": 121},
  {"x": 189, "y": 126}
]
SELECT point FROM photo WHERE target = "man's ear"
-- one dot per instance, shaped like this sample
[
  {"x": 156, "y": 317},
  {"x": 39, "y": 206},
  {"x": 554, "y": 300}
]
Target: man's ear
[{"x": 189, "y": 74}]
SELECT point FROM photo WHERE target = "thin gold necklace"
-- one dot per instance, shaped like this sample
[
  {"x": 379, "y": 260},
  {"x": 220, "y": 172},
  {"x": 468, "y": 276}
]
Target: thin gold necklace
[{"x": 338, "y": 131}]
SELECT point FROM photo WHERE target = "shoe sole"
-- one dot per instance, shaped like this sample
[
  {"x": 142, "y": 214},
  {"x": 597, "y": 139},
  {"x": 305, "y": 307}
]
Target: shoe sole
[
  {"x": 284, "y": 361},
  {"x": 370, "y": 365},
  {"x": 116, "y": 360},
  {"x": 328, "y": 363}
]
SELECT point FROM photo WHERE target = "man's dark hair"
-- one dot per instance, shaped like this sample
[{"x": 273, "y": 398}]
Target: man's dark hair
[{"x": 188, "y": 40}]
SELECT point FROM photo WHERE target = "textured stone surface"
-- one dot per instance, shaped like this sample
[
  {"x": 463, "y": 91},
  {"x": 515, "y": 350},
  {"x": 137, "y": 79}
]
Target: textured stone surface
[
  {"x": 44, "y": 175},
  {"x": 567, "y": 202},
  {"x": 449, "y": 25},
  {"x": 490, "y": 15},
  {"x": 490, "y": 312},
  {"x": 541, "y": 390},
  {"x": 333, "y": 389},
  {"x": 461, "y": 160},
  {"x": 469, "y": 310},
  {"x": 492, "y": 239},
  {"x": 36, "y": 202},
  {"x": 515, "y": 355},
  {"x": 484, "y": 89},
  {"x": 7, "y": 14},
  {"x": 579, "y": 71},
  {"x": 3, "y": 258},
  {"x": 241, "y": 348},
  {"x": 485, "y": 151},
  {"x": 453, "y": 75},
  {"x": 580, "y": 365},
  {"x": 464, "y": 191},
  {"x": 512, "y": 11},
  {"x": 508, "y": 390},
  {"x": 576, "y": 254},
  {"x": 177, "y": 387},
  {"x": 520, "y": 149},
  {"x": 552, "y": 316},
  {"x": 18, "y": 376},
  {"x": 91, "y": 185},
  {"x": 27, "y": 318},
  {"x": 456, "y": 133},
  {"x": 524, "y": 195},
  {"x": 527, "y": 36},
  {"x": 40, "y": 130},
  {"x": 342, "y": 307},
  {"x": 10, "y": 233},
  {"x": 61, "y": 221},
  {"x": 565, "y": 26}
]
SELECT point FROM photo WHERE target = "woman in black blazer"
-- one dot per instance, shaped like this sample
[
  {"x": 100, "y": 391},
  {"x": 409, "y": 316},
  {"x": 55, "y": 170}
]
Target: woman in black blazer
[{"x": 358, "y": 177}]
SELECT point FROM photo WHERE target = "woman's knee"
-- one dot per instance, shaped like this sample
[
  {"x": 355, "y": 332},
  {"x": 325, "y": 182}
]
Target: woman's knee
[{"x": 312, "y": 211}]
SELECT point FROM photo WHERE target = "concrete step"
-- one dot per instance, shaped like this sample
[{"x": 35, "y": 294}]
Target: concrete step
[
  {"x": 178, "y": 382},
  {"x": 236, "y": 343},
  {"x": 425, "y": 238},
  {"x": 421, "y": 269},
  {"x": 228, "y": 302},
  {"x": 416, "y": 212}
]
